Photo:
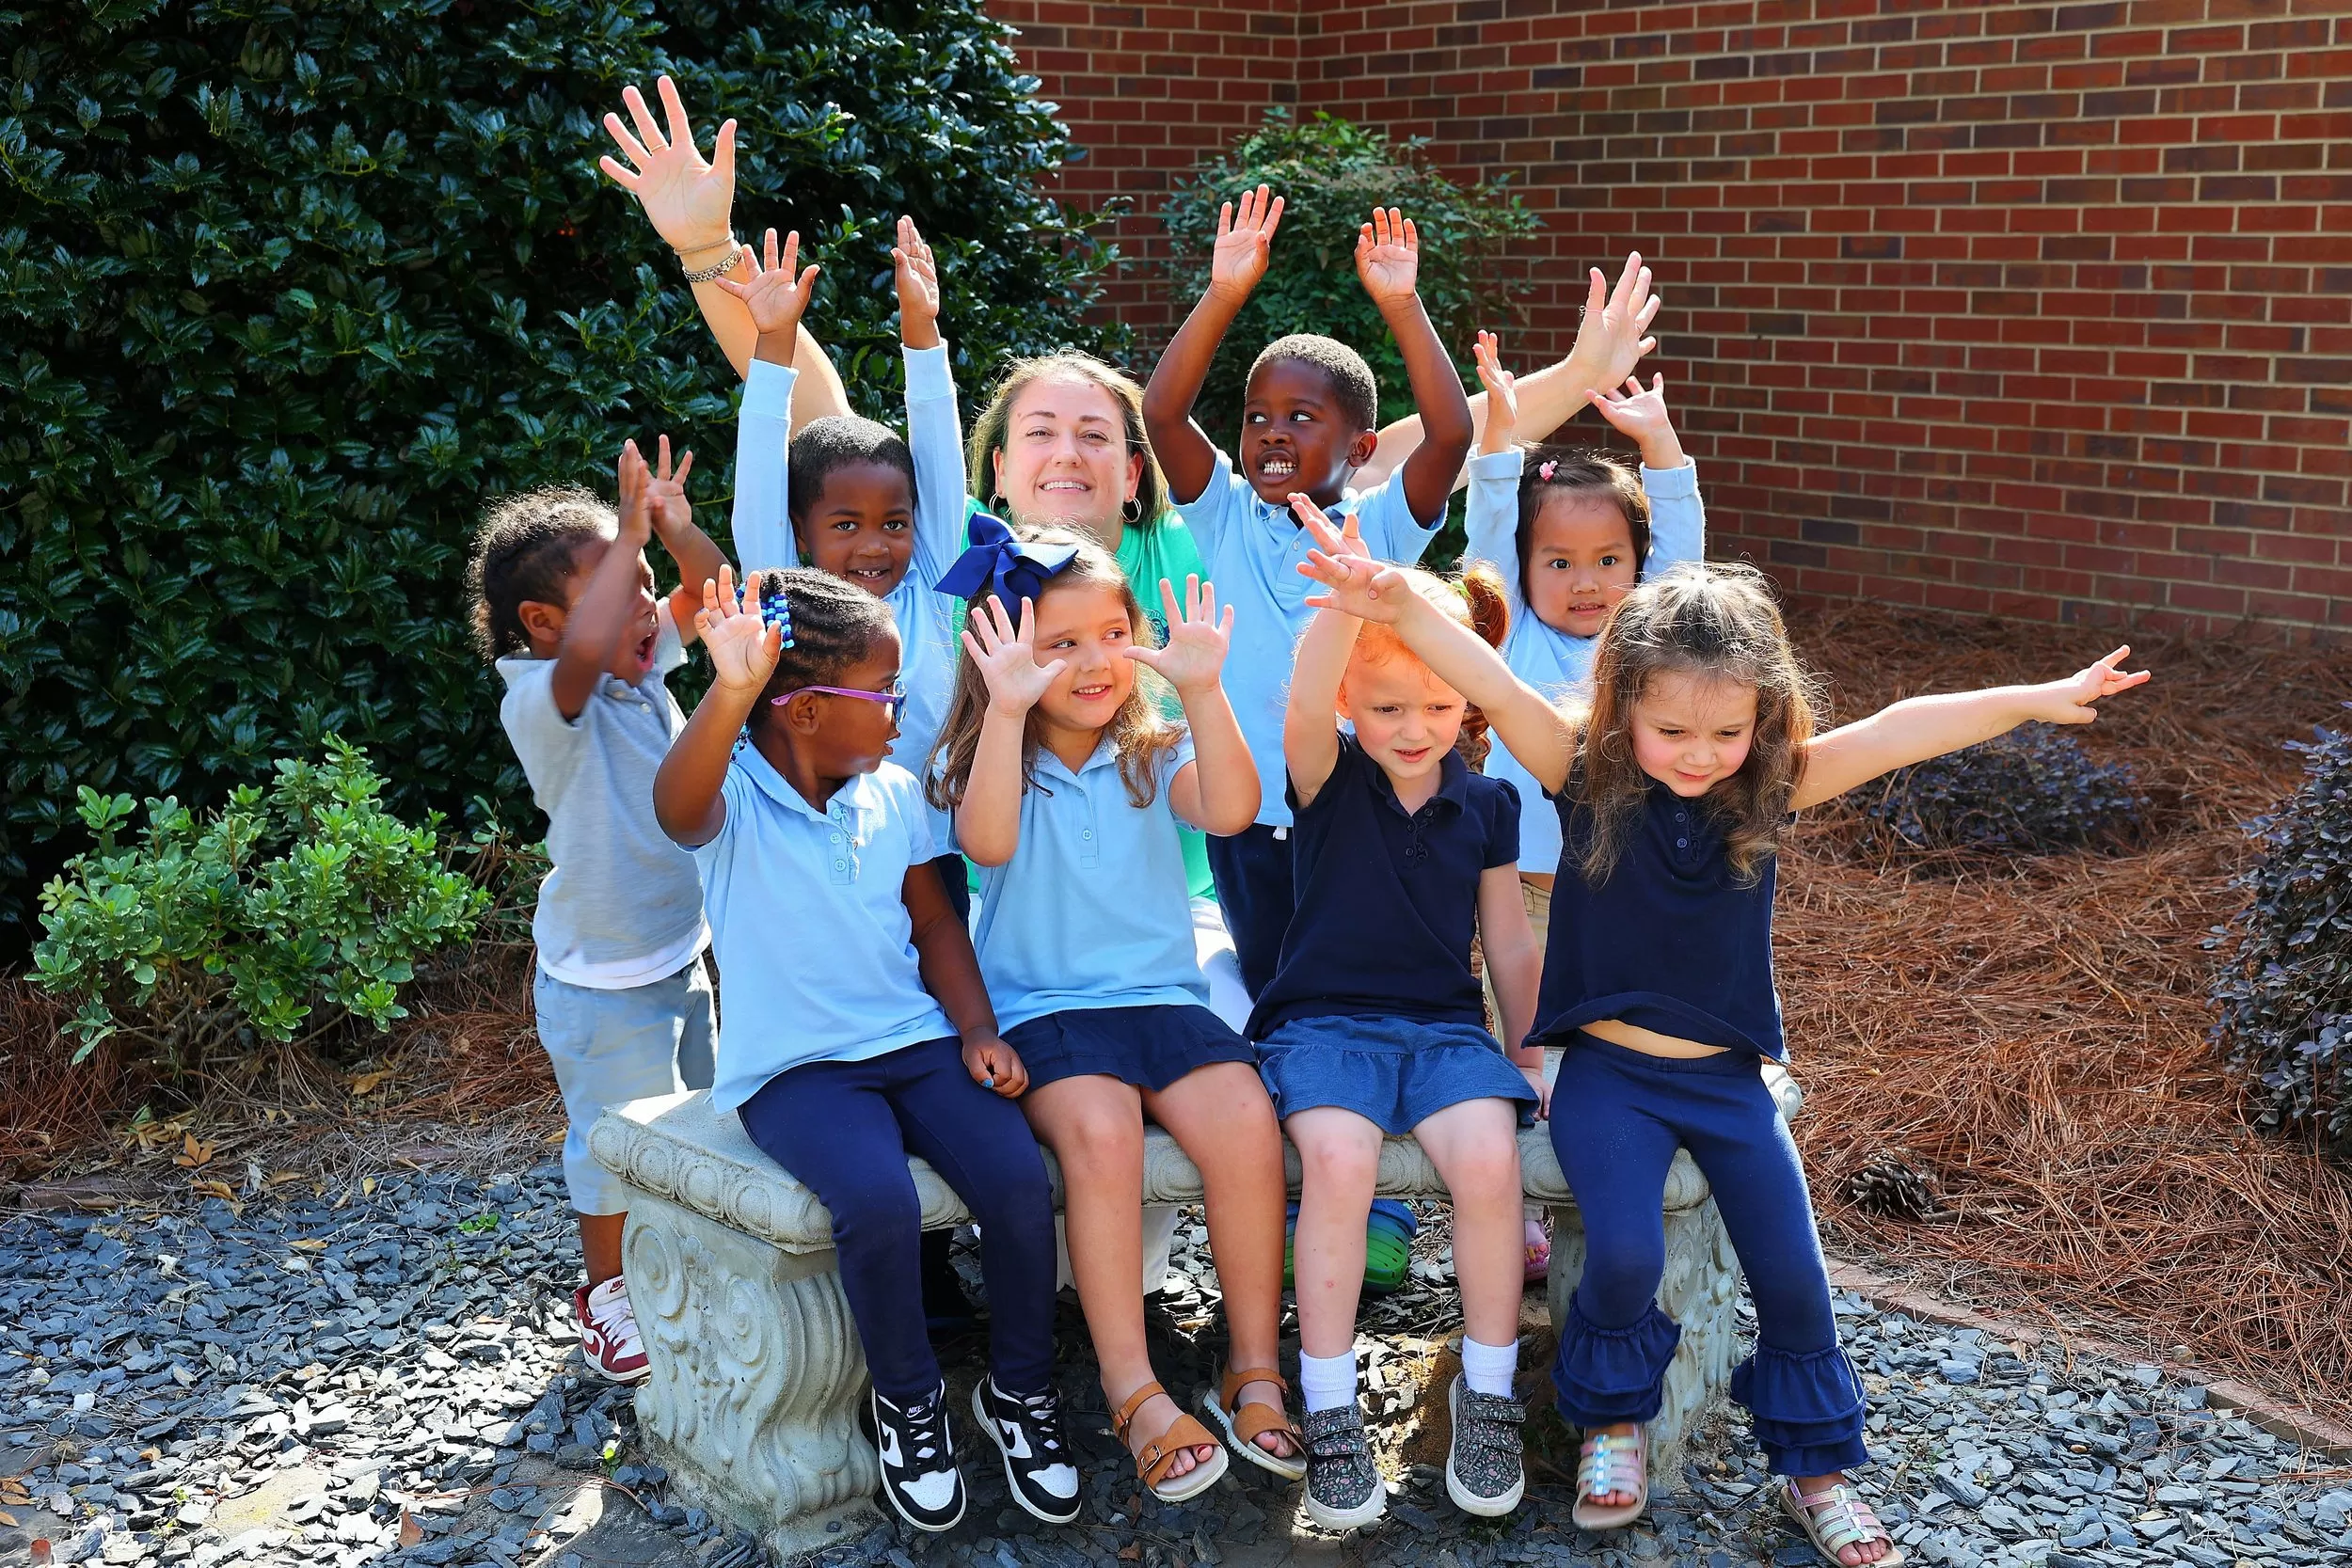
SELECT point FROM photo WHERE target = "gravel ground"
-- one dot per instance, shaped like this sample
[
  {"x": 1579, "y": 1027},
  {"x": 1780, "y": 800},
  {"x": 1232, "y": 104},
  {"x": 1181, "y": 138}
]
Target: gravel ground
[{"x": 286, "y": 1384}]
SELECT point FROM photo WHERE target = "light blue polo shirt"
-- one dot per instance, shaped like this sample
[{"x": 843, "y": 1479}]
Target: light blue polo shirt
[
  {"x": 1092, "y": 911},
  {"x": 1546, "y": 658},
  {"x": 763, "y": 532},
  {"x": 1253, "y": 552},
  {"x": 809, "y": 917}
]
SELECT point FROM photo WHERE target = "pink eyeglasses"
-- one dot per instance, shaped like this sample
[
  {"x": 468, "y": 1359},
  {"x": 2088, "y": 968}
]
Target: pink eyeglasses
[{"x": 895, "y": 698}]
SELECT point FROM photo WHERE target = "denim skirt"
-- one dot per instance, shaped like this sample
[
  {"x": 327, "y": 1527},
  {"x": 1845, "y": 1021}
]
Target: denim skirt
[
  {"x": 1392, "y": 1071},
  {"x": 1148, "y": 1047}
]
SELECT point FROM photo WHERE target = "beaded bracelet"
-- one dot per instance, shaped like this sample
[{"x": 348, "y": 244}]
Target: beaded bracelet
[{"x": 725, "y": 264}]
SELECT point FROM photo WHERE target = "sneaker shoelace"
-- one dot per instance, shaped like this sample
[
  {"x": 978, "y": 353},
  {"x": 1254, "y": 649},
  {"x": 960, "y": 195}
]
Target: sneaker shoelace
[
  {"x": 924, "y": 1423},
  {"x": 616, "y": 1320}
]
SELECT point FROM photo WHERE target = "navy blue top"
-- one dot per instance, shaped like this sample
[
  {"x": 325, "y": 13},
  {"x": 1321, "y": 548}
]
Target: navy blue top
[
  {"x": 1673, "y": 942},
  {"x": 1387, "y": 898}
]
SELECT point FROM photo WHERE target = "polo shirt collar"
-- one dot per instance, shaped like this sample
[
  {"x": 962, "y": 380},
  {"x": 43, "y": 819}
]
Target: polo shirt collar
[
  {"x": 1105, "y": 752},
  {"x": 1453, "y": 783},
  {"x": 857, "y": 792}
]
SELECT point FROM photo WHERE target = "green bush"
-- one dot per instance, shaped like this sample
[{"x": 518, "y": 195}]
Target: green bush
[
  {"x": 280, "y": 914},
  {"x": 2284, "y": 987},
  {"x": 288, "y": 290},
  {"x": 1330, "y": 174}
]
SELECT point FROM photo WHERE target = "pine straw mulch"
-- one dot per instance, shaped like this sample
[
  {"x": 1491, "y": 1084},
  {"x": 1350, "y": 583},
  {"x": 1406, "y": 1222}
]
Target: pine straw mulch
[{"x": 2033, "y": 1032}]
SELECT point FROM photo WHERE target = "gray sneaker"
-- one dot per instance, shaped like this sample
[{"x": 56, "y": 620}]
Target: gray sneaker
[
  {"x": 1343, "y": 1489},
  {"x": 1483, "y": 1473}
]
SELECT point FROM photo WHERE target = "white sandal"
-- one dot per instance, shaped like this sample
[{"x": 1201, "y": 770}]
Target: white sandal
[
  {"x": 1610, "y": 1463},
  {"x": 1844, "y": 1520}
]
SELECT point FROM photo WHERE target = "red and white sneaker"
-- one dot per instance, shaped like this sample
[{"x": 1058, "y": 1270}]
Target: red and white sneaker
[{"x": 608, "y": 1333}]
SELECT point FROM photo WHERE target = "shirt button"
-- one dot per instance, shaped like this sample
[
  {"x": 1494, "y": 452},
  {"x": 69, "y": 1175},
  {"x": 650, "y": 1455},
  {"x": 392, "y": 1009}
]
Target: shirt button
[
  {"x": 1087, "y": 834},
  {"x": 836, "y": 838},
  {"x": 841, "y": 865},
  {"x": 1682, "y": 844}
]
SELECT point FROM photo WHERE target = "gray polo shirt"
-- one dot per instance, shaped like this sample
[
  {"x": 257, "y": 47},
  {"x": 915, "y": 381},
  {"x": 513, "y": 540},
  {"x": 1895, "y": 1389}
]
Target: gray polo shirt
[{"x": 621, "y": 906}]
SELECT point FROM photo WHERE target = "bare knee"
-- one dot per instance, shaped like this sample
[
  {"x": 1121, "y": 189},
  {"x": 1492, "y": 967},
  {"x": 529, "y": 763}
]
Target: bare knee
[
  {"x": 1336, "y": 1164},
  {"x": 1485, "y": 1176},
  {"x": 1099, "y": 1139}
]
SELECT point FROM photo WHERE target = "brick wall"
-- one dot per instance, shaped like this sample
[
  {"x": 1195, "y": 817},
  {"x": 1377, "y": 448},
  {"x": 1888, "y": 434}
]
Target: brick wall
[{"x": 2041, "y": 310}]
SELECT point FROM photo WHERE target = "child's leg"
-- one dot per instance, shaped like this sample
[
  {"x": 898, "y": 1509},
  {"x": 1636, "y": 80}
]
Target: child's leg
[
  {"x": 1339, "y": 1154},
  {"x": 831, "y": 1125},
  {"x": 1475, "y": 1147},
  {"x": 981, "y": 1146},
  {"x": 1220, "y": 1116},
  {"x": 1094, "y": 1125}
]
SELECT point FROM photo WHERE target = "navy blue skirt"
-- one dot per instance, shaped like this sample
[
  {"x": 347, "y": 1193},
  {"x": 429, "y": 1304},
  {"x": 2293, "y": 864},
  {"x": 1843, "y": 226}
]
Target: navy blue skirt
[{"x": 1148, "y": 1047}]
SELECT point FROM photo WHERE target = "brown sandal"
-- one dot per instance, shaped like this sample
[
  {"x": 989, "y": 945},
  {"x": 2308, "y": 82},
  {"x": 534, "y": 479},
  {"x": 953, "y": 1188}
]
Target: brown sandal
[
  {"x": 1155, "y": 1459},
  {"x": 1244, "y": 1424}
]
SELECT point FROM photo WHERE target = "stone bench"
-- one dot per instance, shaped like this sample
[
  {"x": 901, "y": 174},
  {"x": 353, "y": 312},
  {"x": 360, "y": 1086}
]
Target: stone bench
[{"x": 756, "y": 1384}]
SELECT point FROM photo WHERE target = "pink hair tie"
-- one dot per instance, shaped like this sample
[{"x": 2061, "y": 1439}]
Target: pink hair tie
[{"x": 1551, "y": 466}]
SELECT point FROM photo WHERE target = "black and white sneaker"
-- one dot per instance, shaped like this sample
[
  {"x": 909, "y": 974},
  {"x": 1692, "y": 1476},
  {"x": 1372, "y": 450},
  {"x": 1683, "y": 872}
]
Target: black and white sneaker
[
  {"x": 1038, "y": 1462},
  {"x": 918, "y": 1461}
]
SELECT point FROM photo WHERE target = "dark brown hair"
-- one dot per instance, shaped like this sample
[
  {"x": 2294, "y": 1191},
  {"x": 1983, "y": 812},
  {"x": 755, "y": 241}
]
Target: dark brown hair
[
  {"x": 1581, "y": 470},
  {"x": 1716, "y": 620},
  {"x": 522, "y": 553}
]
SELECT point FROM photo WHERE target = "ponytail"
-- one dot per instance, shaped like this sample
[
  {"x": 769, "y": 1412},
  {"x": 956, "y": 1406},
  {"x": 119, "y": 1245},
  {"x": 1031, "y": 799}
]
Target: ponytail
[{"x": 1482, "y": 589}]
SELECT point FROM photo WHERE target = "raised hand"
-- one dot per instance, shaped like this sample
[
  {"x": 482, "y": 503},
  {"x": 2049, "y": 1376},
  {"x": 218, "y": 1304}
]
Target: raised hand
[
  {"x": 1244, "y": 244},
  {"x": 666, "y": 493},
  {"x": 1388, "y": 256},
  {"x": 777, "y": 295},
  {"x": 1196, "y": 640},
  {"x": 1353, "y": 582},
  {"x": 744, "y": 648},
  {"x": 636, "y": 487},
  {"x": 917, "y": 275},
  {"x": 1642, "y": 416},
  {"x": 1613, "y": 336},
  {"x": 690, "y": 203},
  {"x": 1502, "y": 395},
  {"x": 2067, "y": 702},
  {"x": 1006, "y": 657}
]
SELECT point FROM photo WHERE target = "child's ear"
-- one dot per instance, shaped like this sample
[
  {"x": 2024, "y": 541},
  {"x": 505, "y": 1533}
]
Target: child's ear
[
  {"x": 799, "y": 539},
  {"x": 542, "y": 623},
  {"x": 802, "y": 718},
  {"x": 1361, "y": 450}
]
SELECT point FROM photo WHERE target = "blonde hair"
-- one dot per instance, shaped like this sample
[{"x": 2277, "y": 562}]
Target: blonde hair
[
  {"x": 1716, "y": 620},
  {"x": 989, "y": 431},
  {"x": 1139, "y": 733},
  {"x": 1475, "y": 597}
]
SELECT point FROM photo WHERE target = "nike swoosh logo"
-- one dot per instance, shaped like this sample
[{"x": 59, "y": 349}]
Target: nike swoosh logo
[
  {"x": 889, "y": 1447},
  {"x": 1016, "y": 1441}
]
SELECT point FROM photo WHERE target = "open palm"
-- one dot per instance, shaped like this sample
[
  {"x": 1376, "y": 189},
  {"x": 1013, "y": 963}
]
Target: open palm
[
  {"x": 1007, "y": 656},
  {"x": 1388, "y": 256},
  {"x": 1196, "y": 640},
  {"x": 744, "y": 648},
  {"x": 1245, "y": 242},
  {"x": 666, "y": 494},
  {"x": 1641, "y": 414},
  {"x": 2067, "y": 702},
  {"x": 690, "y": 202},
  {"x": 778, "y": 292}
]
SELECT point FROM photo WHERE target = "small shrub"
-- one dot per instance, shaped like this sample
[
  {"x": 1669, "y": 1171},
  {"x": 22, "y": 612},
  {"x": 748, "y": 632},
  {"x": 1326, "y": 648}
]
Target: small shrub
[
  {"x": 2285, "y": 988},
  {"x": 283, "y": 913},
  {"x": 1330, "y": 174},
  {"x": 2034, "y": 791}
]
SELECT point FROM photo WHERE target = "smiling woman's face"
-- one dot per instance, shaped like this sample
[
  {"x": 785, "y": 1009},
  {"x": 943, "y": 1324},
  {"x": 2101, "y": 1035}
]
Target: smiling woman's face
[{"x": 1065, "y": 459}]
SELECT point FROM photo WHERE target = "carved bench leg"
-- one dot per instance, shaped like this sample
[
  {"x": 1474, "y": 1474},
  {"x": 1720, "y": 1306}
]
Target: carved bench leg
[
  {"x": 753, "y": 1405},
  {"x": 1701, "y": 1291}
]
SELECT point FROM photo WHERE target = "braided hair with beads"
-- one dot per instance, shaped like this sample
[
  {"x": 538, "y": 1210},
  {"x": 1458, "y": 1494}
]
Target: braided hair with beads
[{"x": 829, "y": 625}]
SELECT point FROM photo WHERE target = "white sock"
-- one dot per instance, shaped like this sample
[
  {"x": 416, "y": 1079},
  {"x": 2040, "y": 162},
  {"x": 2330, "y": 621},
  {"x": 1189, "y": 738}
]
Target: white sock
[
  {"x": 1489, "y": 1369},
  {"x": 1327, "y": 1382}
]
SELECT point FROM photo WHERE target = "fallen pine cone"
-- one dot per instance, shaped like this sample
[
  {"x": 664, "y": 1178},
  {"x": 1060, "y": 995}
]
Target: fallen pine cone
[{"x": 1889, "y": 1184}]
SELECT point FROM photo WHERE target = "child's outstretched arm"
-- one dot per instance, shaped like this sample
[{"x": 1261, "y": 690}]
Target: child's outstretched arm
[
  {"x": 1539, "y": 735},
  {"x": 1919, "y": 728},
  {"x": 1611, "y": 338},
  {"x": 1218, "y": 792},
  {"x": 600, "y": 617},
  {"x": 1243, "y": 251},
  {"x": 988, "y": 819},
  {"x": 743, "y": 652},
  {"x": 1491, "y": 521},
  {"x": 698, "y": 558},
  {"x": 1516, "y": 965},
  {"x": 1387, "y": 262},
  {"x": 942, "y": 952},
  {"x": 934, "y": 426},
  {"x": 690, "y": 204},
  {"x": 773, "y": 299}
]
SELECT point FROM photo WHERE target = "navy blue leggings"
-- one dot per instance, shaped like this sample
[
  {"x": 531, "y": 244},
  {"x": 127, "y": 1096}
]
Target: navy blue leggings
[
  {"x": 1254, "y": 890},
  {"x": 1617, "y": 1117},
  {"x": 844, "y": 1130}
]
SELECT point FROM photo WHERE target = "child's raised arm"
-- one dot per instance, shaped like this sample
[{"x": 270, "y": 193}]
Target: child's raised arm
[
  {"x": 1538, "y": 733},
  {"x": 1219, "y": 792},
  {"x": 1610, "y": 339},
  {"x": 698, "y": 558},
  {"x": 1387, "y": 262},
  {"x": 1244, "y": 249},
  {"x": 600, "y": 617},
  {"x": 773, "y": 300},
  {"x": 1310, "y": 725},
  {"x": 690, "y": 204},
  {"x": 743, "y": 652},
  {"x": 1491, "y": 521},
  {"x": 934, "y": 426},
  {"x": 1919, "y": 728},
  {"x": 988, "y": 817}
]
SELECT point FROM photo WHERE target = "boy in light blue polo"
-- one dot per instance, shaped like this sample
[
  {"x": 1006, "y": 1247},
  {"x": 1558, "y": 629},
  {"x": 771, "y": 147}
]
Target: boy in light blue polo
[{"x": 1310, "y": 419}]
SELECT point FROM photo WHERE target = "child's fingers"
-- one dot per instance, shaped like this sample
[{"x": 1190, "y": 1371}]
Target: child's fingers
[
  {"x": 1224, "y": 220},
  {"x": 2117, "y": 658},
  {"x": 685, "y": 463},
  {"x": 1177, "y": 614},
  {"x": 1225, "y": 626},
  {"x": 1028, "y": 622},
  {"x": 791, "y": 253},
  {"x": 1412, "y": 236},
  {"x": 1273, "y": 220}
]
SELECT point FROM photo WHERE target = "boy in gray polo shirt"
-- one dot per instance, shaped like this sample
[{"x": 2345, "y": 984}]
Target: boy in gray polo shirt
[{"x": 564, "y": 605}]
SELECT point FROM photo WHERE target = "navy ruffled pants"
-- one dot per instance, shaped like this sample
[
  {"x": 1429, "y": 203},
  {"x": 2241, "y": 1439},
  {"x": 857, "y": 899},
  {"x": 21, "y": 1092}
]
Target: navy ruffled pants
[{"x": 1617, "y": 1117}]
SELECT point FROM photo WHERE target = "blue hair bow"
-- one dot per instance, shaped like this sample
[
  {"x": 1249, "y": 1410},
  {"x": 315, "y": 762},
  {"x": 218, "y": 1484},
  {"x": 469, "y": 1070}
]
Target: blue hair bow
[{"x": 997, "y": 562}]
